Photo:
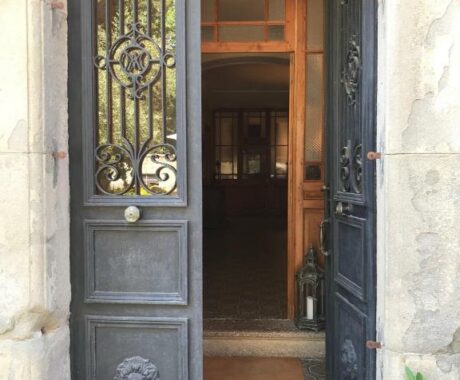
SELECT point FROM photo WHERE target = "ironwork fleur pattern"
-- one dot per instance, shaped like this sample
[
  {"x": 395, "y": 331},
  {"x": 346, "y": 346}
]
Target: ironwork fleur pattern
[
  {"x": 351, "y": 168},
  {"x": 351, "y": 71},
  {"x": 136, "y": 368},
  {"x": 135, "y": 60},
  {"x": 134, "y": 154}
]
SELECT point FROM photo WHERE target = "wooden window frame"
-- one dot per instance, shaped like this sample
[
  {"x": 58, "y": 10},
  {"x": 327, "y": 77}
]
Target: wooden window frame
[{"x": 272, "y": 46}]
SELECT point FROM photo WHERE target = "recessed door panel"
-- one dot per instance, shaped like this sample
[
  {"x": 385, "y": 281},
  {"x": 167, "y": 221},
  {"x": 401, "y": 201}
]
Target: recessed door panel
[
  {"x": 114, "y": 348},
  {"x": 350, "y": 332},
  {"x": 350, "y": 261},
  {"x": 143, "y": 263}
]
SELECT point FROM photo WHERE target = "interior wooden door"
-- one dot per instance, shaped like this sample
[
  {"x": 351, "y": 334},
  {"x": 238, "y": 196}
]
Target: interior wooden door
[
  {"x": 351, "y": 211},
  {"x": 135, "y": 157}
]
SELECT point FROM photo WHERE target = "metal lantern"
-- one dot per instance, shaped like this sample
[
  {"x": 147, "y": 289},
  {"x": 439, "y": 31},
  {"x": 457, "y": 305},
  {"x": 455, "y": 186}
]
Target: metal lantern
[{"x": 311, "y": 294}]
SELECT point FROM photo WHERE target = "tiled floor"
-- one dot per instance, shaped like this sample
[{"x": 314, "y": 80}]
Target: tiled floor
[
  {"x": 245, "y": 283},
  {"x": 245, "y": 269}
]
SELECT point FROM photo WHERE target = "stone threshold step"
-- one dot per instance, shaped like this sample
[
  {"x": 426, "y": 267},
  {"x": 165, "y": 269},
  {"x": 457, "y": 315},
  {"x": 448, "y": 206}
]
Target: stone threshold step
[{"x": 261, "y": 338}]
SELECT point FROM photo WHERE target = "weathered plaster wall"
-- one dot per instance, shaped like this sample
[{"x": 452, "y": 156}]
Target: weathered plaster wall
[
  {"x": 34, "y": 221},
  {"x": 419, "y": 188}
]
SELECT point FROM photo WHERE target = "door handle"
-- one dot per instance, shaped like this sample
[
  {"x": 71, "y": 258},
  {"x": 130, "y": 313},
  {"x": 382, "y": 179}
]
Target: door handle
[
  {"x": 322, "y": 237},
  {"x": 343, "y": 210},
  {"x": 132, "y": 214}
]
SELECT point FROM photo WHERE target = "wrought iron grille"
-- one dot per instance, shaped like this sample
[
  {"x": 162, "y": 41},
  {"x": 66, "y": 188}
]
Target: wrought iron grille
[{"x": 135, "y": 79}]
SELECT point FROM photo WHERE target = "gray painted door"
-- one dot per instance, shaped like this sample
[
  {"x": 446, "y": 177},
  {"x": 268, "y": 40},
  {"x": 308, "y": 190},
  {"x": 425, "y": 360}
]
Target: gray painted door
[
  {"x": 135, "y": 156},
  {"x": 351, "y": 201}
]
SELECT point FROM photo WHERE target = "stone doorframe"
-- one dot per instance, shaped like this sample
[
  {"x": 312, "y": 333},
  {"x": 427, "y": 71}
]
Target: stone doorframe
[{"x": 418, "y": 189}]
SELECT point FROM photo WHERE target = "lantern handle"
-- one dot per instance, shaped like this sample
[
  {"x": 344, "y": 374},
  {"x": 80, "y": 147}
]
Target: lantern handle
[{"x": 322, "y": 237}]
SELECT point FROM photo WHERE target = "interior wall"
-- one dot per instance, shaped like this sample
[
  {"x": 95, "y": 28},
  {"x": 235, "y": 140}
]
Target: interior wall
[{"x": 418, "y": 188}]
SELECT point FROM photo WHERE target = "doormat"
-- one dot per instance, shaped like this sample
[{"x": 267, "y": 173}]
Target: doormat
[{"x": 250, "y": 368}]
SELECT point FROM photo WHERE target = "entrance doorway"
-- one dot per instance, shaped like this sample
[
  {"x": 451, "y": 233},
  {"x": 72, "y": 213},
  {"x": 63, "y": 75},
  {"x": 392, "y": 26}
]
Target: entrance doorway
[
  {"x": 136, "y": 174},
  {"x": 262, "y": 210},
  {"x": 245, "y": 156}
]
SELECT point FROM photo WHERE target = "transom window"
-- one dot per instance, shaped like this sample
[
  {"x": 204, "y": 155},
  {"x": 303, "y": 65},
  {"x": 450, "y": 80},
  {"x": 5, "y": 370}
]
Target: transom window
[{"x": 243, "y": 20}]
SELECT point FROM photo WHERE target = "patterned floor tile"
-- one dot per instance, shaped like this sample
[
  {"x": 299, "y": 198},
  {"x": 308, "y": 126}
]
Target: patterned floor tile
[{"x": 245, "y": 269}]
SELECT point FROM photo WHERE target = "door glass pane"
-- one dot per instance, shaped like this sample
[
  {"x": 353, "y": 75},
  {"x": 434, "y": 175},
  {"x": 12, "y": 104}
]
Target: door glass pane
[
  {"x": 207, "y": 33},
  {"x": 134, "y": 63},
  {"x": 226, "y": 160},
  {"x": 241, "y": 33},
  {"x": 315, "y": 24},
  {"x": 226, "y": 131},
  {"x": 252, "y": 163},
  {"x": 282, "y": 131},
  {"x": 207, "y": 10},
  {"x": 276, "y": 10},
  {"x": 276, "y": 32},
  {"x": 241, "y": 10},
  {"x": 314, "y": 107},
  {"x": 281, "y": 160}
]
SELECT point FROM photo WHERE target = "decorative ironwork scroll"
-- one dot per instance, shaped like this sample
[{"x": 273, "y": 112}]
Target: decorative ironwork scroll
[
  {"x": 351, "y": 71},
  {"x": 351, "y": 168},
  {"x": 136, "y": 368},
  {"x": 135, "y": 150}
]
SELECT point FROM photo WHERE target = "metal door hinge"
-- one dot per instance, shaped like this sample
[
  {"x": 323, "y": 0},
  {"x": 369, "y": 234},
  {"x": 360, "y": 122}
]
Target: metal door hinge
[
  {"x": 372, "y": 156},
  {"x": 373, "y": 345}
]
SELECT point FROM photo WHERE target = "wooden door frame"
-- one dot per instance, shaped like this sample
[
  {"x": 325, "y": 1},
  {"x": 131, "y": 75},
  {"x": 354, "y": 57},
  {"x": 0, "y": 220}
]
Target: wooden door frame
[{"x": 295, "y": 46}]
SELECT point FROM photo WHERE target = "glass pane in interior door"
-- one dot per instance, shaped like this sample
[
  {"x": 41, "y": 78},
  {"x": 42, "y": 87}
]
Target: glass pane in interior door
[
  {"x": 208, "y": 10},
  {"x": 314, "y": 107},
  {"x": 315, "y": 24},
  {"x": 135, "y": 67},
  {"x": 241, "y": 33},
  {"x": 276, "y": 32},
  {"x": 241, "y": 10},
  {"x": 276, "y": 10}
]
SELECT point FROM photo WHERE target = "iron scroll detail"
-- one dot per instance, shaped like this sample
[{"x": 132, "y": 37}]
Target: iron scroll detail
[
  {"x": 136, "y": 368},
  {"x": 351, "y": 71},
  {"x": 351, "y": 168},
  {"x": 135, "y": 60},
  {"x": 123, "y": 166}
]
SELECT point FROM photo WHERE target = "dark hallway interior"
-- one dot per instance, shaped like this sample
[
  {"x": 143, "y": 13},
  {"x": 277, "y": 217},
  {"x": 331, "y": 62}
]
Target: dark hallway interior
[
  {"x": 245, "y": 269},
  {"x": 245, "y": 150}
]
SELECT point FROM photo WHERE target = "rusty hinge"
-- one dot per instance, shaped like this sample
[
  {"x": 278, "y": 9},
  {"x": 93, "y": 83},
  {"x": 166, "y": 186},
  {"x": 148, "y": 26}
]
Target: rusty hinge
[
  {"x": 59, "y": 155},
  {"x": 373, "y": 345},
  {"x": 372, "y": 156}
]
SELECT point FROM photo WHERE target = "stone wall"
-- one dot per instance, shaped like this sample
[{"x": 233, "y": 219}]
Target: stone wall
[
  {"x": 34, "y": 196},
  {"x": 419, "y": 188}
]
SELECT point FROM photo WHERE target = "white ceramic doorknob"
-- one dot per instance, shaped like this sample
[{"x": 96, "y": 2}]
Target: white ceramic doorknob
[{"x": 132, "y": 214}]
